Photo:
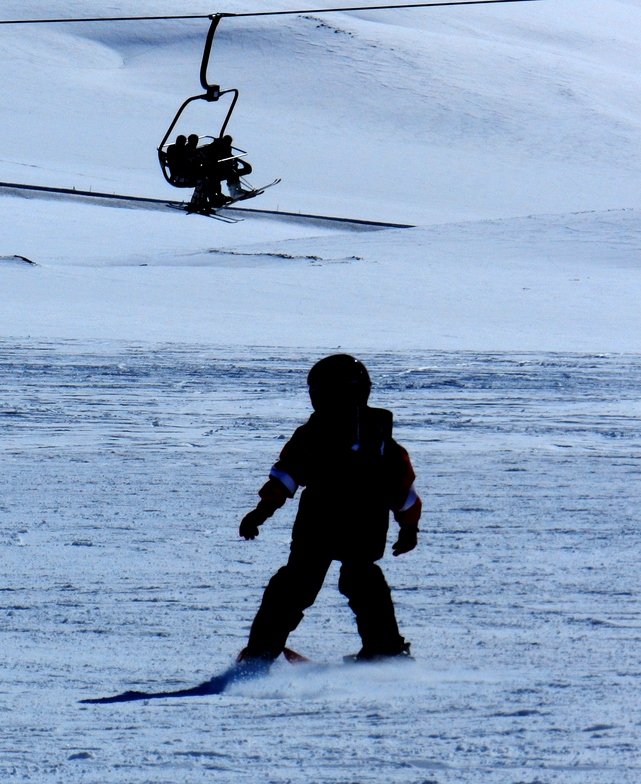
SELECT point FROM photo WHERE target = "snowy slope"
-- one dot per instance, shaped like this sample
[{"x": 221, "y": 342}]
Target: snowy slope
[
  {"x": 422, "y": 116},
  {"x": 554, "y": 283},
  {"x": 426, "y": 116}
]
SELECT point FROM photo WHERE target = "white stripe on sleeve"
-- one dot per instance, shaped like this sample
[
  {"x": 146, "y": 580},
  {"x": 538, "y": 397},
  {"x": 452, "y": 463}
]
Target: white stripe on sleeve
[
  {"x": 286, "y": 479},
  {"x": 410, "y": 500}
]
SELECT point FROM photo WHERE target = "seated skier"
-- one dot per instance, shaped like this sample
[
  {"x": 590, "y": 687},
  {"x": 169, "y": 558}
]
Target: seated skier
[
  {"x": 231, "y": 169},
  {"x": 209, "y": 173},
  {"x": 198, "y": 166},
  {"x": 212, "y": 175},
  {"x": 353, "y": 473},
  {"x": 177, "y": 159}
]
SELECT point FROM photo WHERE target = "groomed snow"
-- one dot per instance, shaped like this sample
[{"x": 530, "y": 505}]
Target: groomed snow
[
  {"x": 151, "y": 364},
  {"x": 567, "y": 283},
  {"x": 124, "y": 474}
]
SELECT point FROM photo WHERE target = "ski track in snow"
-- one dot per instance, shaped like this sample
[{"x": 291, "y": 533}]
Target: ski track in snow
[{"x": 126, "y": 470}]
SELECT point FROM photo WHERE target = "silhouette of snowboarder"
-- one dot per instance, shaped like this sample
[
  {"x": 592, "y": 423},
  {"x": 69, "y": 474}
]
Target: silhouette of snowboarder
[{"x": 353, "y": 473}]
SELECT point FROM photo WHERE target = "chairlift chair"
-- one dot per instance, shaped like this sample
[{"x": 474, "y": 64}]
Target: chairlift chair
[{"x": 212, "y": 94}]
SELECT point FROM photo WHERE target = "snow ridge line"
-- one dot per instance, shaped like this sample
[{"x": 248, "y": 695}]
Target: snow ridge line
[{"x": 140, "y": 202}]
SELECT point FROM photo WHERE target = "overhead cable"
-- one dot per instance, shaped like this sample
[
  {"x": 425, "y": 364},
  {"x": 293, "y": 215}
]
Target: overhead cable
[
  {"x": 378, "y": 7},
  {"x": 255, "y": 13}
]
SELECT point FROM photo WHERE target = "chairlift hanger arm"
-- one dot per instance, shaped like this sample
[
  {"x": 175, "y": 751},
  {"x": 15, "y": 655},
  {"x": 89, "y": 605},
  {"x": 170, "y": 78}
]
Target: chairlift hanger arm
[
  {"x": 204, "y": 97},
  {"x": 215, "y": 20}
]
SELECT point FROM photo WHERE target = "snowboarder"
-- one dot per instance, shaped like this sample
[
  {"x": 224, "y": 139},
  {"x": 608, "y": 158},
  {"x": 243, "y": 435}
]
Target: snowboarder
[{"x": 353, "y": 473}]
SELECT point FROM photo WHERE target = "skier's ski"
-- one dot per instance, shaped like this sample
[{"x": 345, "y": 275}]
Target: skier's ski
[
  {"x": 214, "y": 212},
  {"x": 253, "y": 192},
  {"x": 207, "y": 213},
  {"x": 244, "y": 670}
]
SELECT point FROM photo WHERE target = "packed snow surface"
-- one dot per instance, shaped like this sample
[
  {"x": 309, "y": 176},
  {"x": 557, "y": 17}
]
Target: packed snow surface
[
  {"x": 151, "y": 364},
  {"x": 125, "y": 472}
]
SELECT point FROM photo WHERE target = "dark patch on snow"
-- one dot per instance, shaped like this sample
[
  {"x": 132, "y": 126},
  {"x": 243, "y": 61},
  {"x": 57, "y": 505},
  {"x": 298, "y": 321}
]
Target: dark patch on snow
[
  {"x": 600, "y": 728},
  {"x": 471, "y": 509},
  {"x": 82, "y": 755},
  {"x": 321, "y": 25},
  {"x": 15, "y": 259},
  {"x": 287, "y": 256}
]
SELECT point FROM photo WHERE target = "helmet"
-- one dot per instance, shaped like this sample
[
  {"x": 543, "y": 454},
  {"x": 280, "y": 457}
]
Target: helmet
[{"x": 338, "y": 381}]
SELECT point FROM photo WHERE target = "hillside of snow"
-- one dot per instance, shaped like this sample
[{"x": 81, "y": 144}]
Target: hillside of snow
[
  {"x": 419, "y": 116},
  {"x": 433, "y": 116}
]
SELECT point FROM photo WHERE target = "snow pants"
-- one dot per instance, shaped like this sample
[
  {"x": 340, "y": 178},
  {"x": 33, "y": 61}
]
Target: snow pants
[{"x": 294, "y": 588}]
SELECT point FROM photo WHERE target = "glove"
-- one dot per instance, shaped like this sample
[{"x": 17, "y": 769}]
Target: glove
[
  {"x": 250, "y": 522},
  {"x": 272, "y": 496},
  {"x": 249, "y": 525},
  {"x": 407, "y": 539}
]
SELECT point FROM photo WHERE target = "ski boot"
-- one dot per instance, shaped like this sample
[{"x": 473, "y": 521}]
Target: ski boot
[{"x": 236, "y": 191}]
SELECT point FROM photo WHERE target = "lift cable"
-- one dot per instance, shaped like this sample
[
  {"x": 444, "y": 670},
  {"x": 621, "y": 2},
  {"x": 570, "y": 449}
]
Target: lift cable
[{"x": 256, "y": 13}]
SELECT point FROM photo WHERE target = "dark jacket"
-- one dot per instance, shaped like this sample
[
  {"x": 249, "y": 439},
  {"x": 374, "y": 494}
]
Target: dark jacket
[{"x": 353, "y": 473}]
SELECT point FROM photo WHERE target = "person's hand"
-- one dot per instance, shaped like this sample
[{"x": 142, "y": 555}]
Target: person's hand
[
  {"x": 407, "y": 539},
  {"x": 249, "y": 525}
]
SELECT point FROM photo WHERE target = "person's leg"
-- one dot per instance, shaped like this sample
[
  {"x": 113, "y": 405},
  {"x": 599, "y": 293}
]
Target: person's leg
[
  {"x": 233, "y": 175},
  {"x": 234, "y": 187},
  {"x": 370, "y": 598},
  {"x": 198, "y": 202},
  {"x": 290, "y": 591}
]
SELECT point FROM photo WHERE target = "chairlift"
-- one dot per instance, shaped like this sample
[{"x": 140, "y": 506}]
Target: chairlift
[
  {"x": 194, "y": 169},
  {"x": 212, "y": 94}
]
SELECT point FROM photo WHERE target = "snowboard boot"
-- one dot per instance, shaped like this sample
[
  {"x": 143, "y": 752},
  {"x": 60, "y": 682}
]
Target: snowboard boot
[
  {"x": 248, "y": 666},
  {"x": 368, "y": 657}
]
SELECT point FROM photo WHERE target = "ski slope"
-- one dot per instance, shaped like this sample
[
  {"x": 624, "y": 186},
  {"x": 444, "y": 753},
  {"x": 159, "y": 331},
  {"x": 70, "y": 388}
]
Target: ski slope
[
  {"x": 151, "y": 364},
  {"x": 125, "y": 469}
]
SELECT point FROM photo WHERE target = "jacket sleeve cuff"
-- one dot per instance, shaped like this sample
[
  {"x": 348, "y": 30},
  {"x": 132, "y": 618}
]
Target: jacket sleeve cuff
[
  {"x": 273, "y": 495},
  {"x": 409, "y": 515},
  {"x": 285, "y": 479}
]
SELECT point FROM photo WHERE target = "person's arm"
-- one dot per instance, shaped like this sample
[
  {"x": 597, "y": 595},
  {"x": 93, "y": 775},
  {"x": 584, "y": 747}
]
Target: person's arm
[
  {"x": 280, "y": 486},
  {"x": 404, "y": 500},
  {"x": 273, "y": 495}
]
